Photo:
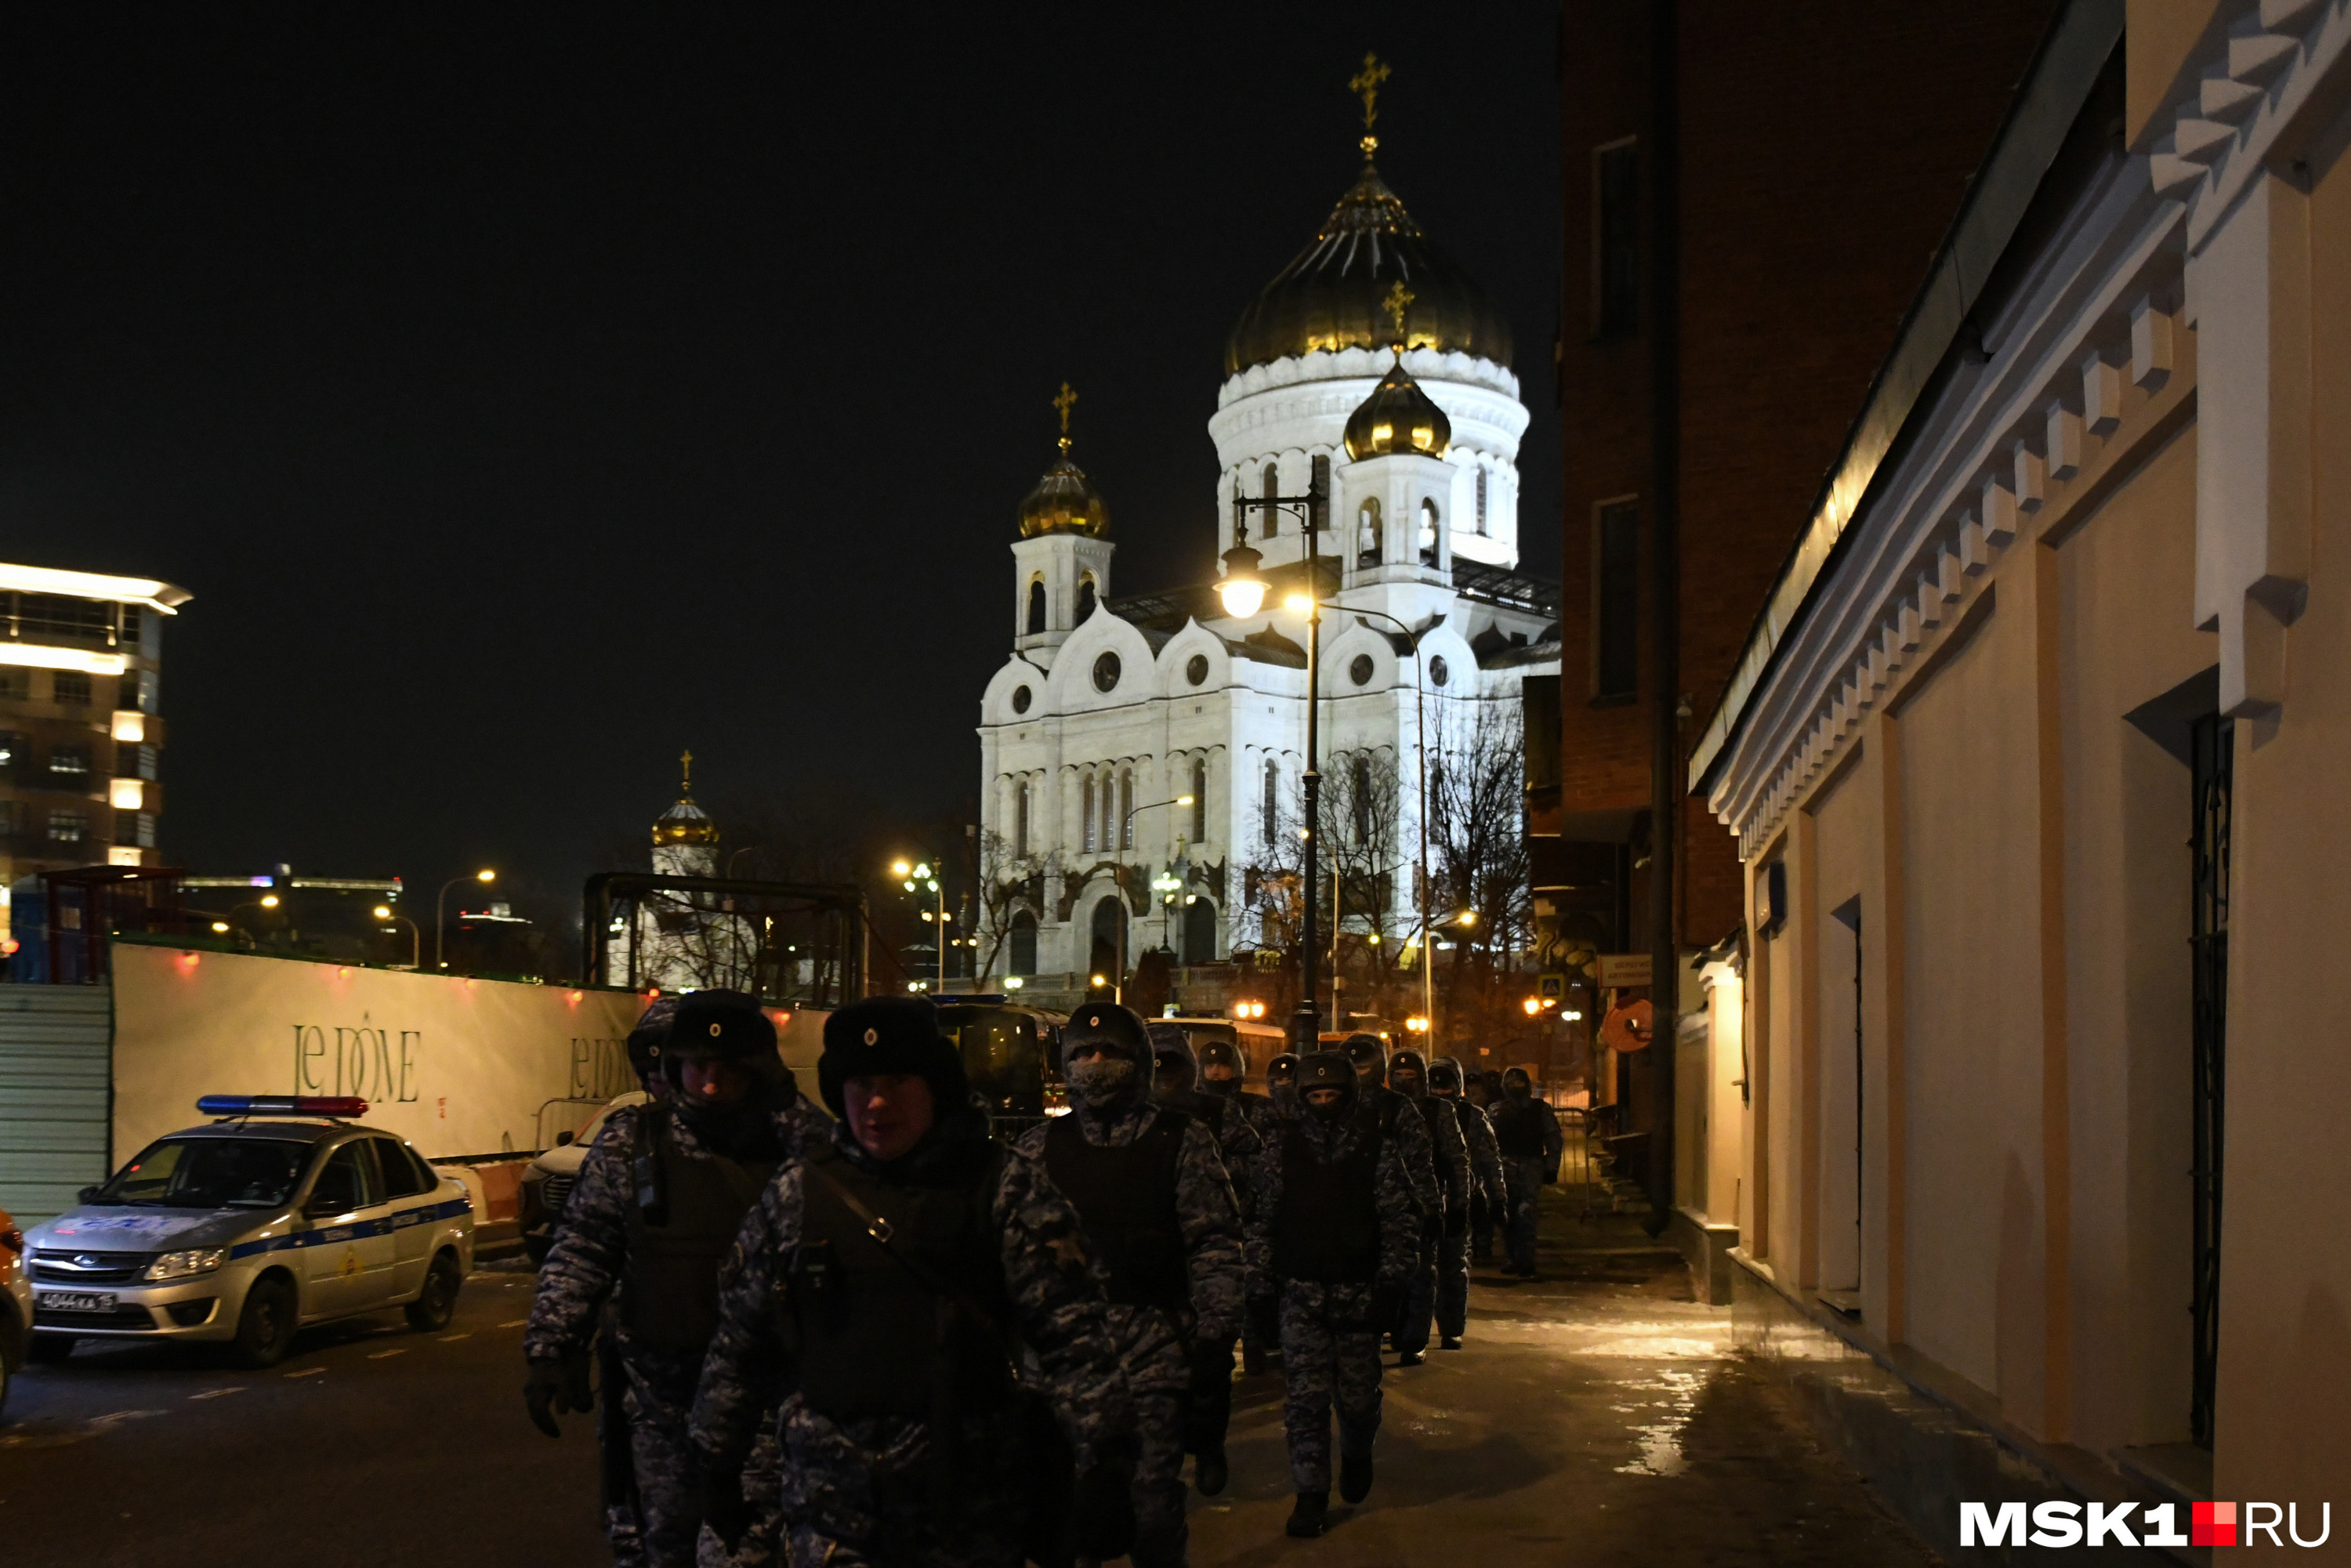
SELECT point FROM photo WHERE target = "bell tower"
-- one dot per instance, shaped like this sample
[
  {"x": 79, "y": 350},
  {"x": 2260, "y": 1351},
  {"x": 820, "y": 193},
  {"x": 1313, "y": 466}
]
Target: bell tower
[{"x": 1061, "y": 559}]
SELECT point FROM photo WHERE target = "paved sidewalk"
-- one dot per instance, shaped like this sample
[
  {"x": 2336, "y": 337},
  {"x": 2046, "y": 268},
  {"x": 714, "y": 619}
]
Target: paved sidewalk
[{"x": 1597, "y": 1415}]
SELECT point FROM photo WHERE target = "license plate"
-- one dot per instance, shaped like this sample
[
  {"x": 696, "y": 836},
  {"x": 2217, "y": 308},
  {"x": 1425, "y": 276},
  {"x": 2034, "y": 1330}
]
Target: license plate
[{"x": 74, "y": 1302}]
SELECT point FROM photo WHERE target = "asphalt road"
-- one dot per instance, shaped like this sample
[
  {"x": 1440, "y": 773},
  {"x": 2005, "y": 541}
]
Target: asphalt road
[{"x": 1597, "y": 1416}]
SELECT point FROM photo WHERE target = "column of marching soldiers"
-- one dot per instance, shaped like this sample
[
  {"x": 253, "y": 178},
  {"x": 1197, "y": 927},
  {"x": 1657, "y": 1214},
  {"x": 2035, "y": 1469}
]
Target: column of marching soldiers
[{"x": 891, "y": 1338}]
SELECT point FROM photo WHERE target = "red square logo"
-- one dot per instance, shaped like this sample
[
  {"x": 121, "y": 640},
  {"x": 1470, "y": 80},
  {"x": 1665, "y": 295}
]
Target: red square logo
[{"x": 2211, "y": 1524}]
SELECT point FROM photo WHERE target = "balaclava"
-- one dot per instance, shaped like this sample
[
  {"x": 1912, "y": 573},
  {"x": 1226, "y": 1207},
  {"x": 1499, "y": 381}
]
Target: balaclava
[
  {"x": 1368, "y": 1054},
  {"x": 1516, "y": 1084},
  {"x": 1328, "y": 1070},
  {"x": 1114, "y": 1080},
  {"x": 1408, "y": 1074},
  {"x": 1220, "y": 1052}
]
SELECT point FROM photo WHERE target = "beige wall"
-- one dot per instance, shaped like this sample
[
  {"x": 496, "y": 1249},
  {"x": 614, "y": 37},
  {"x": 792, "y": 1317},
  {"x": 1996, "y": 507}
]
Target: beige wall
[
  {"x": 2167, "y": 38},
  {"x": 1845, "y": 832},
  {"x": 2285, "y": 1346}
]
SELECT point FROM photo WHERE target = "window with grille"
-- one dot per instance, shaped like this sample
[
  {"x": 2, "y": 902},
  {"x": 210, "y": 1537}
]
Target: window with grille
[
  {"x": 71, "y": 687},
  {"x": 68, "y": 827},
  {"x": 68, "y": 764}
]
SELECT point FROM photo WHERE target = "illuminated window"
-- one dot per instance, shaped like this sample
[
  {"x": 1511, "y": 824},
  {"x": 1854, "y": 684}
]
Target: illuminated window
[
  {"x": 68, "y": 765},
  {"x": 134, "y": 625},
  {"x": 68, "y": 827},
  {"x": 1615, "y": 241},
  {"x": 12, "y": 746}
]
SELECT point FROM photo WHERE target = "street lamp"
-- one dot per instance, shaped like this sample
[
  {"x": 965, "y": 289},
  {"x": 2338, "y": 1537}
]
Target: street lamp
[
  {"x": 415, "y": 937},
  {"x": 919, "y": 879},
  {"x": 1240, "y": 573},
  {"x": 440, "y": 902},
  {"x": 1420, "y": 739}
]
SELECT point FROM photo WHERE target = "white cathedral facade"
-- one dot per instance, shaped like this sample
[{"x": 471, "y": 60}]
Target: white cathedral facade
[{"x": 1142, "y": 756}]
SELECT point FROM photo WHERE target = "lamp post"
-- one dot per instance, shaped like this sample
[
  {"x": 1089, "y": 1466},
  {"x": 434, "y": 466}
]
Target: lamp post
[
  {"x": 919, "y": 878},
  {"x": 1242, "y": 587},
  {"x": 1420, "y": 737},
  {"x": 440, "y": 901},
  {"x": 415, "y": 937}
]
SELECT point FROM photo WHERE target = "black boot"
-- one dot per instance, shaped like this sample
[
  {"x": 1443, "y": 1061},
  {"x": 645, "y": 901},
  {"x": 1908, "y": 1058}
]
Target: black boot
[
  {"x": 1411, "y": 1358},
  {"x": 1306, "y": 1519},
  {"x": 1208, "y": 1471},
  {"x": 1451, "y": 1342},
  {"x": 1356, "y": 1476}
]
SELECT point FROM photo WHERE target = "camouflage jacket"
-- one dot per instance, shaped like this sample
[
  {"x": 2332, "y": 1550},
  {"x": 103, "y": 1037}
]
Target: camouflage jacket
[
  {"x": 1451, "y": 1148},
  {"x": 1409, "y": 1133},
  {"x": 1399, "y": 1211},
  {"x": 1207, "y": 1213},
  {"x": 584, "y": 1267},
  {"x": 1051, "y": 1279},
  {"x": 1485, "y": 1155}
]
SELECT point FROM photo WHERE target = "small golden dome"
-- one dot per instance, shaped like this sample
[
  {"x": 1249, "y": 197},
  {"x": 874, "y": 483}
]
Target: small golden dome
[
  {"x": 685, "y": 822},
  {"x": 1398, "y": 417},
  {"x": 1064, "y": 501}
]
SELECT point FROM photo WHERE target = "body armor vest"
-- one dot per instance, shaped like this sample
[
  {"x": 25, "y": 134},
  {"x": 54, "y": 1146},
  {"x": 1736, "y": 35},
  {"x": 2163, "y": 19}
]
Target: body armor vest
[
  {"x": 669, "y": 1298},
  {"x": 1517, "y": 1134},
  {"x": 875, "y": 1337},
  {"x": 1327, "y": 1228},
  {"x": 1126, "y": 1196}
]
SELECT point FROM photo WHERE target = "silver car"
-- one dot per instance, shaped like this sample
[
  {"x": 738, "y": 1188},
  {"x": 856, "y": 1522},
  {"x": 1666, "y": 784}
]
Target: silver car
[{"x": 246, "y": 1230}]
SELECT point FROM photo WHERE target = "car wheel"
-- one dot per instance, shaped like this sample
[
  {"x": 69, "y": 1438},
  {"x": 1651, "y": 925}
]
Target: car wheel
[
  {"x": 437, "y": 1303},
  {"x": 265, "y": 1329},
  {"x": 49, "y": 1349}
]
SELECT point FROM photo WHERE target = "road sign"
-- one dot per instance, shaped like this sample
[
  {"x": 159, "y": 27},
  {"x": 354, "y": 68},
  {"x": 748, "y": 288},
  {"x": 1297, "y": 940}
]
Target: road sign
[
  {"x": 1624, "y": 971},
  {"x": 1551, "y": 987}
]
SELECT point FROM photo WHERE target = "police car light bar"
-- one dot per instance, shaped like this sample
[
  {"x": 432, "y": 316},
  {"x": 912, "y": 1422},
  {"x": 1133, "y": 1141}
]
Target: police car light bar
[{"x": 280, "y": 1105}]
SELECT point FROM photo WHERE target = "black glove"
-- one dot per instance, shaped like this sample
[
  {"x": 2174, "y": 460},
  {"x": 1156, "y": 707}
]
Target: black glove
[
  {"x": 723, "y": 1508},
  {"x": 1102, "y": 1511},
  {"x": 556, "y": 1383}
]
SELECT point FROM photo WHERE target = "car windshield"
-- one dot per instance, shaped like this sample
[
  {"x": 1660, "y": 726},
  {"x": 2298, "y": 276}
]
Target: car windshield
[{"x": 210, "y": 1173}]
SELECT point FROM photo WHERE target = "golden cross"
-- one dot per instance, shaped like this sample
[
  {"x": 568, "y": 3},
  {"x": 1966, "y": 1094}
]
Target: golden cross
[
  {"x": 685, "y": 766},
  {"x": 1065, "y": 401},
  {"x": 1398, "y": 301},
  {"x": 1365, "y": 84}
]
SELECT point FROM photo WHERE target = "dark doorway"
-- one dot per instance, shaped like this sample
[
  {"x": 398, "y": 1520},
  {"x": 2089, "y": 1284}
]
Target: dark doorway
[
  {"x": 1024, "y": 944},
  {"x": 1108, "y": 957},
  {"x": 1200, "y": 931},
  {"x": 2212, "y": 746}
]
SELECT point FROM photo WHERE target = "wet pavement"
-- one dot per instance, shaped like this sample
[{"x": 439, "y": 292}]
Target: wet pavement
[{"x": 1597, "y": 1415}]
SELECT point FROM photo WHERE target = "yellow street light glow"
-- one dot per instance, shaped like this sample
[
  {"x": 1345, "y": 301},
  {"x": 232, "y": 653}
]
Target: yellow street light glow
[
  {"x": 486, "y": 876},
  {"x": 1013, "y": 982},
  {"x": 1100, "y": 980},
  {"x": 1298, "y": 603},
  {"x": 268, "y": 901},
  {"x": 1243, "y": 596},
  {"x": 1532, "y": 1007},
  {"x": 900, "y": 868},
  {"x": 383, "y": 912},
  {"x": 220, "y": 925},
  {"x": 1374, "y": 939},
  {"x": 1469, "y": 918},
  {"x": 1183, "y": 800}
]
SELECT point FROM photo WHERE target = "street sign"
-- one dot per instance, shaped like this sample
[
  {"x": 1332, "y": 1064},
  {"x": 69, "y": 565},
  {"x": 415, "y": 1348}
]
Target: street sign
[
  {"x": 1624, "y": 971},
  {"x": 1551, "y": 987}
]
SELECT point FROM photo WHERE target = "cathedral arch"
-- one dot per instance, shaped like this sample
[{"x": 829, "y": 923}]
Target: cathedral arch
[
  {"x": 1367, "y": 532},
  {"x": 1085, "y": 600},
  {"x": 1036, "y": 606},
  {"x": 1428, "y": 532},
  {"x": 1106, "y": 950}
]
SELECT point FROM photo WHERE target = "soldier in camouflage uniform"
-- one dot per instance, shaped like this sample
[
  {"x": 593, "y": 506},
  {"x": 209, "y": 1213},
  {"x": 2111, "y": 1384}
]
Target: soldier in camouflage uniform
[
  {"x": 1223, "y": 1071},
  {"x": 1368, "y": 1054},
  {"x": 1526, "y": 1133},
  {"x": 1176, "y": 1084},
  {"x": 1487, "y": 1191},
  {"x": 655, "y": 1206},
  {"x": 1151, "y": 1189},
  {"x": 1482, "y": 1092},
  {"x": 1333, "y": 1241},
  {"x": 914, "y": 1309},
  {"x": 1408, "y": 1076},
  {"x": 1282, "y": 1090}
]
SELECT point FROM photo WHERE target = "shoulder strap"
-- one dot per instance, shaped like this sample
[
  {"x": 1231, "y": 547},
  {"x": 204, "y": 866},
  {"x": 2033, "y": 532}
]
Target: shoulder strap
[{"x": 930, "y": 1279}]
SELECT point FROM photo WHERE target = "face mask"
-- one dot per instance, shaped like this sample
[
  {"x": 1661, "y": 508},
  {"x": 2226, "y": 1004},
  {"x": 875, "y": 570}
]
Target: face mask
[
  {"x": 1516, "y": 1090},
  {"x": 1104, "y": 1080},
  {"x": 1223, "y": 1089},
  {"x": 1331, "y": 1112}
]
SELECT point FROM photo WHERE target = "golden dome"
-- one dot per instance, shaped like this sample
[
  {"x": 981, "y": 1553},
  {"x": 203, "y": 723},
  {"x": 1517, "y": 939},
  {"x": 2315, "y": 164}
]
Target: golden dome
[
  {"x": 1330, "y": 296},
  {"x": 1064, "y": 501},
  {"x": 1399, "y": 417},
  {"x": 685, "y": 822}
]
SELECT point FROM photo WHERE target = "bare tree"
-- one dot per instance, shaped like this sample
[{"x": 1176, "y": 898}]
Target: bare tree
[{"x": 1478, "y": 862}]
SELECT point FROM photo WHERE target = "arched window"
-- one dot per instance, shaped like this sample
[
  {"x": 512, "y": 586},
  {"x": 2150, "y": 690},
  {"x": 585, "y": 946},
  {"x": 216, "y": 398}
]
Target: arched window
[
  {"x": 1107, "y": 957},
  {"x": 1036, "y": 606},
  {"x": 1126, "y": 808},
  {"x": 1271, "y": 486},
  {"x": 1023, "y": 945},
  {"x": 1481, "y": 502},
  {"x": 1088, "y": 789},
  {"x": 1199, "y": 800},
  {"x": 1367, "y": 533},
  {"x": 1020, "y": 820},
  {"x": 1199, "y": 932},
  {"x": 1085, "y": 599},
  {"x": 1272, "y": 797},
  {"x": 1360, "y": 778},
  {"x": 1427, "y": 532}
]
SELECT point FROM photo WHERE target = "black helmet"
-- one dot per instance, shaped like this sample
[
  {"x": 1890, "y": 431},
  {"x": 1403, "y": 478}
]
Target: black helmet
[
  {"x": 1328, "y": 1070},
  {"x": 1408, "y": 1061}
]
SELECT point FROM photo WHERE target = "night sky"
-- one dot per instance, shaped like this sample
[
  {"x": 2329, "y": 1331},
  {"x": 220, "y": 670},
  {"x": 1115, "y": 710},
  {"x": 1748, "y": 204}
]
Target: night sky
[{"x": 527, "y": 394}]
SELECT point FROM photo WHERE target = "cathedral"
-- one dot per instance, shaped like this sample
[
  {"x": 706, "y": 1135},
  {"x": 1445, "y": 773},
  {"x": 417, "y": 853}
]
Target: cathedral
[{"x": 1142, "y": 755}]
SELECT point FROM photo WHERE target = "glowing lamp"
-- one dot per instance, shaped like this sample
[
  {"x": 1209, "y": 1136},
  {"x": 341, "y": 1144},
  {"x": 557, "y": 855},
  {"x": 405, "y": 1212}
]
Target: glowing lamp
[
  {"x": 280, "y": 1105},
  {"x": 486, "y": 876},
  {"x": 1242, "y": 588}
]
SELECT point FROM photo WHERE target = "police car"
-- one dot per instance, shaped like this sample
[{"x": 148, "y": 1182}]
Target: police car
[{"x": 280, "y": 1213}]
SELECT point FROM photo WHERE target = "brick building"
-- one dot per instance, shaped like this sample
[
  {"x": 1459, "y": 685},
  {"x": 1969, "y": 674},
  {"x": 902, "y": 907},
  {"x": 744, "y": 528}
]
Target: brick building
[{"x": 1820, "y": 154}]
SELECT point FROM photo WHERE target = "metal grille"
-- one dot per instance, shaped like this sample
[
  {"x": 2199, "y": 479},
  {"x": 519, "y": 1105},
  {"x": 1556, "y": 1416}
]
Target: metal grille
[
  {"x": 556, "y": 1193},
  {"x": 87, "y": 1268},
  {"x": 2213, "y": 743}
]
